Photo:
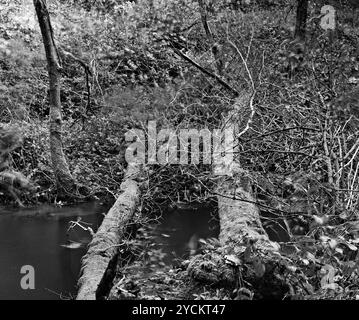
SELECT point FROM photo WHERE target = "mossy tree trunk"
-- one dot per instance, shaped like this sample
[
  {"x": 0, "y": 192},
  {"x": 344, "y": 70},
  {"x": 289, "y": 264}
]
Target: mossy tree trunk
[
  {"x": 97, "y": 272},
  {"x": 242, "y": 235},
  {"x": 64, "y": 179}
]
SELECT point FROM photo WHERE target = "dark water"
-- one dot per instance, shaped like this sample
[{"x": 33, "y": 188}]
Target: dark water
[
  {"x": 35, "y": 237},
  {"x": 178, "y": 231}
]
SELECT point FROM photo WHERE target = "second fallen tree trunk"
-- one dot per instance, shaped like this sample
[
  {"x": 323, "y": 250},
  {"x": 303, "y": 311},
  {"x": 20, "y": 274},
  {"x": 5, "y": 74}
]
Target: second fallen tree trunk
[{"x": 239, "y": 215}]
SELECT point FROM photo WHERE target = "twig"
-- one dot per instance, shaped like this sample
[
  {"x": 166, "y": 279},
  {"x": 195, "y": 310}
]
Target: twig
[{"x": 251, "y": 106}]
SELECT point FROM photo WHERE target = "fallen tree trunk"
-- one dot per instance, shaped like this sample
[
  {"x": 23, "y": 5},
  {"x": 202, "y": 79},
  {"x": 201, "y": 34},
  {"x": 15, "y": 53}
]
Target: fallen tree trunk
[
  {"x": 239, "y": 216},
  {"x": 246, "y": 252},
  {"x": 103, "y": 249},
  {"x": 243, "y": 241}
]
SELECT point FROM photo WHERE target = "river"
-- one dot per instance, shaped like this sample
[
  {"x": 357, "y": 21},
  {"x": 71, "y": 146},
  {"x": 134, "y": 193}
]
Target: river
[{"x": 39, "y": 237}]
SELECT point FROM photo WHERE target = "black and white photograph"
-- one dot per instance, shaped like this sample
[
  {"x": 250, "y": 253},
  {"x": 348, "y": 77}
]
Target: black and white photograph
[{"x": 183, "y": 156}]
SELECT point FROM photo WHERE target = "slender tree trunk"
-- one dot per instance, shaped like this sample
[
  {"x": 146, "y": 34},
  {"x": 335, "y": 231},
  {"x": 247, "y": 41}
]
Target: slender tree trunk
[
  {"x": 62, "y": 173},
  {"x": 301, "y": 20},
  {"x": 215, "y": 47}
]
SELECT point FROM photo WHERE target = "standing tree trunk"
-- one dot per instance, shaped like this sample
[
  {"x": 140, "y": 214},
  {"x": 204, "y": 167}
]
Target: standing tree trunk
[
  {"x": 301, "y": 20},
  {"x": 64, "y": 179},
  {"x": 210, "y": 37}
]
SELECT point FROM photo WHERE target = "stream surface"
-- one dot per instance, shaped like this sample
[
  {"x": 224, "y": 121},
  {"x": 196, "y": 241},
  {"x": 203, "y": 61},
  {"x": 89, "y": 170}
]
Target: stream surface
[
  {"x": 38, "y": 237},
  {"x": 179, "y": 231}
]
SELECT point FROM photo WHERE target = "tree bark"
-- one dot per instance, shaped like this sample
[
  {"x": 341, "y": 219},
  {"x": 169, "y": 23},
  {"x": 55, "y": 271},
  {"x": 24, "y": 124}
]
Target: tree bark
[
  {"x": 63, "y": 176},
  {"x": 96, "y": 276},
  {"x": 301, "y": 19}
]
